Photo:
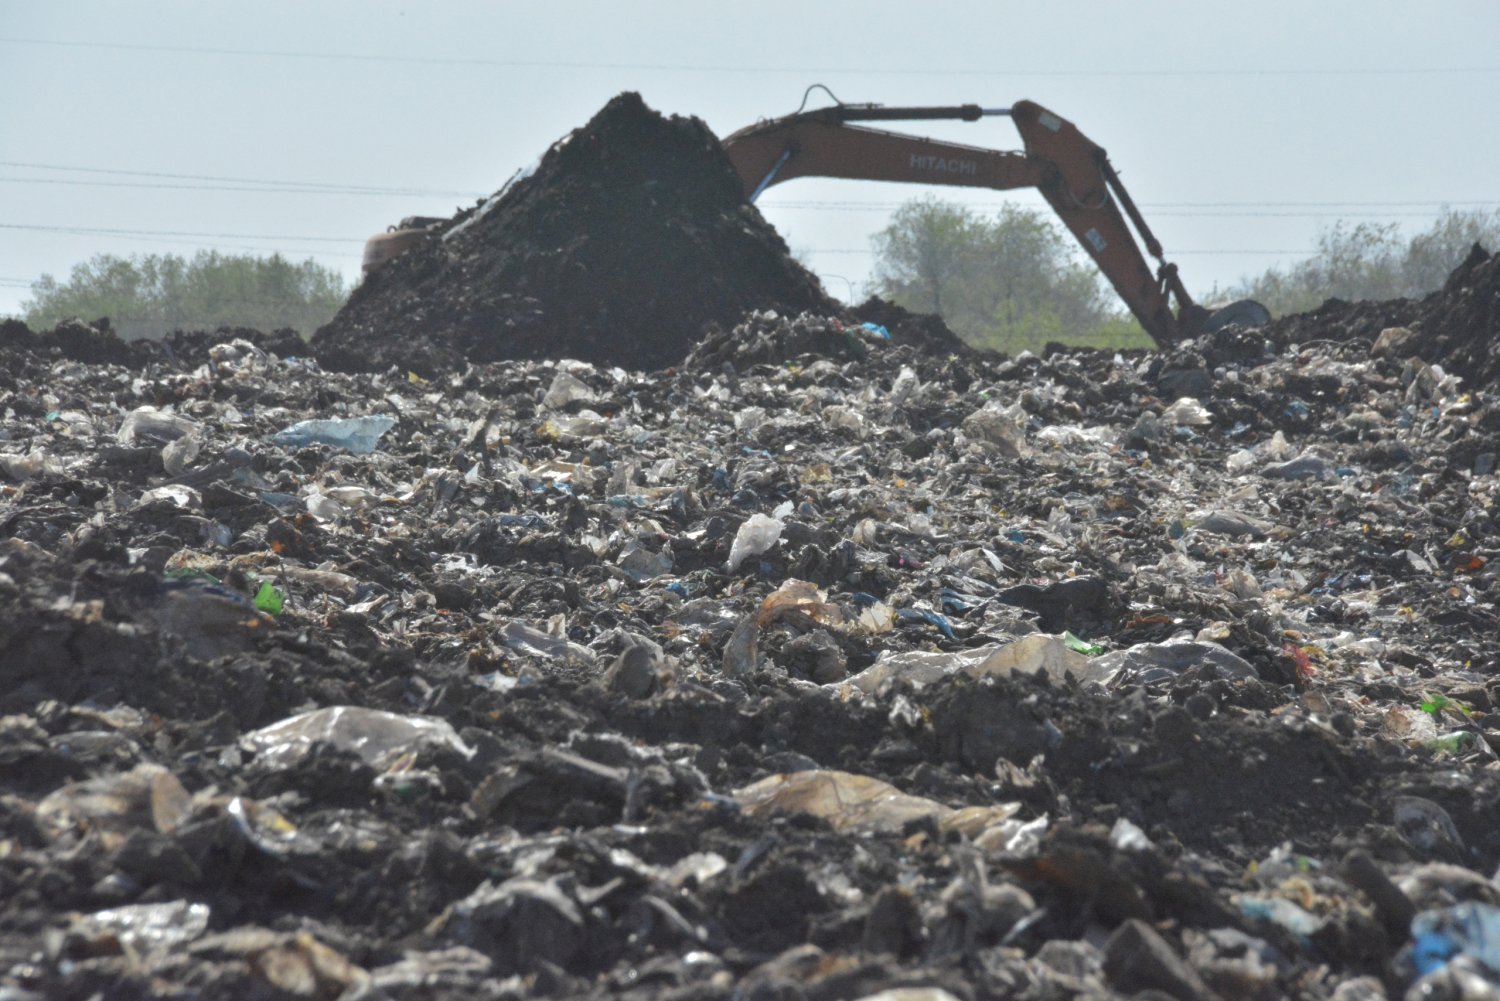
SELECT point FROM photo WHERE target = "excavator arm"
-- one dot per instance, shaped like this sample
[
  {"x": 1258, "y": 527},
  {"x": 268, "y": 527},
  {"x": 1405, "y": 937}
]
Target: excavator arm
[{"x": 1072, "y": 173}]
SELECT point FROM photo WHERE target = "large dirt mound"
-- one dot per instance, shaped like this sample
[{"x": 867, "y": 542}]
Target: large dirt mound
[
  {"x": 1457, "y": 326},
  {"x": 631, "y": 235}
]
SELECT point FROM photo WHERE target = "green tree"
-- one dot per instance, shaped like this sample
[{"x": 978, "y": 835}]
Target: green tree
[
  {"x": 1373, "y": 261},
  {"x": 153, "y": 294},
  {"x": 1010, "y": 282}
]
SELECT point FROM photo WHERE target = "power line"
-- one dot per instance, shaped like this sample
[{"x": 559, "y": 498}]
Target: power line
[
  {"x": 98, "y": 231},
  {"x": 320, "y": 186},
  {"x": 180, "y": 242},
  {"x": 264, "y": 190},
  {"x": 90, "y": 231},
  {"x": 865, "y": 69},
  {"x": 1161, "y": 209},
  {"x": 1166, "y": 207},
  {"x": 1171, "y": 253}
]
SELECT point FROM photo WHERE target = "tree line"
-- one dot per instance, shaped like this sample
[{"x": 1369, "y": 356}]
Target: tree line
[
  {"x": 1016, "y": 280},
  {"x": 153, "y": 294},
  {"x": 1009, "y": 281}
]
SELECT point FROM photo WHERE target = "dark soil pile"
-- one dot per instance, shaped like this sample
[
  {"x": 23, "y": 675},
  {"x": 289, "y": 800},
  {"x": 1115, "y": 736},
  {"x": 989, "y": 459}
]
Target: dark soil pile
[
  {"x": 631, "y": 235},
  {"x": 1457, "y": 327}
]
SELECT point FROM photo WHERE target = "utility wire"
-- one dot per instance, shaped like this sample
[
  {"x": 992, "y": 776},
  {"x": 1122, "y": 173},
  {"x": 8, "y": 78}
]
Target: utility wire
[
  {"x": 1165, "y": 207},
  {"x": 313, "y": 185},
  {"x": 264, "y": 190},
  {"x": 87, "y": 231},
  {"x": 926, "y": 70},
  {"x": 97, "y": 231}
]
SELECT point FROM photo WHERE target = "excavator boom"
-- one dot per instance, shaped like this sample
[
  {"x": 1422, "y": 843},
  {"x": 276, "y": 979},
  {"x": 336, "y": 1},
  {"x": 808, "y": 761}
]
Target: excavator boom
[{"x": 1071, "y": 171}]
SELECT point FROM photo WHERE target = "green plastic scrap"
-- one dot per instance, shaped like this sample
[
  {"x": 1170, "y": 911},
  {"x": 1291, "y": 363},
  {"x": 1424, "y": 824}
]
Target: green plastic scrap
[
  {"x": 1452, "y": 743},
  {"x": 1435, "y": 703},
  {"x": 269, "y": 599},
  {"x": 1081, "y": 646}
]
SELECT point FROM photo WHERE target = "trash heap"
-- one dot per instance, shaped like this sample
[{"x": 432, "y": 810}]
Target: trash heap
[
  {"x": 1455, "y": 326},
  {"x": 820, "y": 666},
  {"x": 628, "y": 237}
]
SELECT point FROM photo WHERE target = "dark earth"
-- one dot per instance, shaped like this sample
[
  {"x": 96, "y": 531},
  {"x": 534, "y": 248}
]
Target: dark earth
[{"x": 533, "y": 565}]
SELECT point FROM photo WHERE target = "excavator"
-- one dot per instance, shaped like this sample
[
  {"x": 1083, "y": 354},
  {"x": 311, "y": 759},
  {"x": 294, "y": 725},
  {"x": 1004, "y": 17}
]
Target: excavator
[{"x": 1071, "y": 171}]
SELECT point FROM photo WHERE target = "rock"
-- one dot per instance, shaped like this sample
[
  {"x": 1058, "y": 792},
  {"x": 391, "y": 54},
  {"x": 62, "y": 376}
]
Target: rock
[{"x": 1136, "y": 958}]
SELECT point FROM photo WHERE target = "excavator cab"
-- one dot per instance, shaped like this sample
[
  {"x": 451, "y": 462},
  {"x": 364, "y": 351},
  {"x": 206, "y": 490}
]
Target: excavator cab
[
  {"x": 382, "y": 248},
  {"x": 1070, "y": 171}
]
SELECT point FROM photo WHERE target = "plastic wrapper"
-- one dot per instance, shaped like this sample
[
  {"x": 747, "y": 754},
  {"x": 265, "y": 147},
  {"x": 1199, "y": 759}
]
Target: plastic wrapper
[
  {"x": 756, "y": 535},
  {"x": 859, "y": 803},
  {"x": 372, "y": 734},
  {"x": 148, "y": 797},
  {"x": 153, "y": 425},
  {"x": 143, "y": 928},
  {"x": 1146, "y": 663},
  {"x": 359, "y": 435}
]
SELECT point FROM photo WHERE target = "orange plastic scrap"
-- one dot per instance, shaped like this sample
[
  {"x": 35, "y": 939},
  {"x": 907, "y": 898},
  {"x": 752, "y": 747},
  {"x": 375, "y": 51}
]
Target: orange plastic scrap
[
  {"x": 801, "y": 602},
  {"x": 1301, "y": 658}
]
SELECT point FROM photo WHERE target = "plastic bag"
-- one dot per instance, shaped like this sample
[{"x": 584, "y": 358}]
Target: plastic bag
[
  {"x": 143, "y": 928},
  {"x": 758, "y": 534},
  {"x": 359, "y": 435},
  {"x": 859, "y": 803},
  {"x": 372, "y": 734}
]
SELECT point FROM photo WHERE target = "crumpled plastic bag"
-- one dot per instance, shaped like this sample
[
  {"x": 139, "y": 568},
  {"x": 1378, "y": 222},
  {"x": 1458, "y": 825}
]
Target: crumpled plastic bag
[
  {"x": 757, "y": 535},
  {"x": 373, "y": 734}
]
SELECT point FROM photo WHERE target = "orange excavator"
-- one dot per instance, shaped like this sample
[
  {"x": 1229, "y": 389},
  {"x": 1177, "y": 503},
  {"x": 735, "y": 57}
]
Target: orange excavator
[{"x": 1071, "y": 171}]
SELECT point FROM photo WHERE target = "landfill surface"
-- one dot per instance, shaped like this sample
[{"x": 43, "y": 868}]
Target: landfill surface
[{"x": 825, "y": 663}]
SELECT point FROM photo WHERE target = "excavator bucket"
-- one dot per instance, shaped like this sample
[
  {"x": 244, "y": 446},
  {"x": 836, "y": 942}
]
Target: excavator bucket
[{"x": 1240, "y": 313}]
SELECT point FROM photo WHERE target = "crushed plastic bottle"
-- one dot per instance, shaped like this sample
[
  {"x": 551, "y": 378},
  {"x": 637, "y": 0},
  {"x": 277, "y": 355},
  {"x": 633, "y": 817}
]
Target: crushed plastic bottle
[
  {"x": 374, "y": 735},
  {"x": 359, "y": 435}
]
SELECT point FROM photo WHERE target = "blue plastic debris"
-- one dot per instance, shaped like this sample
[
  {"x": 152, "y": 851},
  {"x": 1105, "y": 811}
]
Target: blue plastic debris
[
  {"x": 359, "y": 435},
  {"x": 931, "y": 618},
  {"x": 1469, "y": 929},
  {"x": 956, "y": 602},
  {"x": 877, "y": 330},
  {"x": 627, "y": 500}
]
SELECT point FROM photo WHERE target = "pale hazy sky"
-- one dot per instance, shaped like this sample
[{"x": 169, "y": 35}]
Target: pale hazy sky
[{"x": 302, "y": 127}]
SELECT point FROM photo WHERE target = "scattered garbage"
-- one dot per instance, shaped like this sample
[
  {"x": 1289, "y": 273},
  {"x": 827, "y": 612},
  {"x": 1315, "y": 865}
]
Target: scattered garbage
[{"x": 1080, "y": 674}]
